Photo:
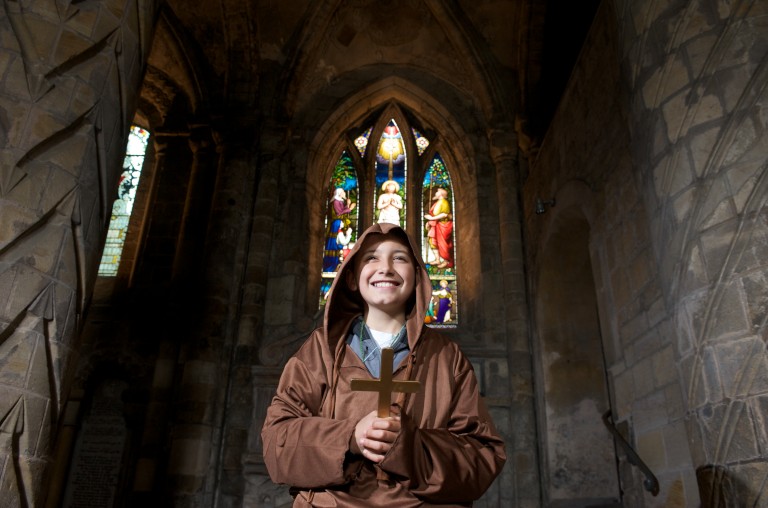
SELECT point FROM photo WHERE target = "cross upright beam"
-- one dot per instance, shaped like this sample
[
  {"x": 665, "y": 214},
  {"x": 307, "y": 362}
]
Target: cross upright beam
[{"x": 385, "y": 385}]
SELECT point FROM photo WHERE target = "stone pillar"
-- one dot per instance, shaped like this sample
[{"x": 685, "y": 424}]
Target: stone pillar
[
  {"x": 165, "y": 214},
  {"x": 197, "y": 206},
  {"x": 697, "y": 71},
  {"x": 522, "y": 455},
  {"x": 63, "y": 129},
  {"x": 148, "y": 466},
  {"x": 212, "y": 399}
]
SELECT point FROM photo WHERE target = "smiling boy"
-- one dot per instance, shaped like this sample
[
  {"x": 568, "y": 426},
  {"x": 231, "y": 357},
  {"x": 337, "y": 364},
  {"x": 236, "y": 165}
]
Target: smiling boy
[{"x": 439, "y": 447}]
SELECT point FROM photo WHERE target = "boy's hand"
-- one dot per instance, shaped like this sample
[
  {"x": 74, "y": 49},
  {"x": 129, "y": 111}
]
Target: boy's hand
[{"x": 374, "y": 436}]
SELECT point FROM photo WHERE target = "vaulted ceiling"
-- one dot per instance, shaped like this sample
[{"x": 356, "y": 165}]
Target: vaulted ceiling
[{"x": 239, "y": 60}]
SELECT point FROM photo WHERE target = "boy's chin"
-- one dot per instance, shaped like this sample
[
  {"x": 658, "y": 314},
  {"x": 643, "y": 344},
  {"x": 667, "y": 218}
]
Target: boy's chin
[{"x": 391, "y": 307}]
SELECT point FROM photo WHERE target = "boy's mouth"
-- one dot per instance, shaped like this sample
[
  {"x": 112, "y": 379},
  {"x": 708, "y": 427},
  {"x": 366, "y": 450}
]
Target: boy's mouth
[{"x": 384, "y": 284}]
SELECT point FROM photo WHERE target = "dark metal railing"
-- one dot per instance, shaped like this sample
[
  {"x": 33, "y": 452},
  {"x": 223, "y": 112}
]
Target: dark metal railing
[{"x": 650, "y": 483}]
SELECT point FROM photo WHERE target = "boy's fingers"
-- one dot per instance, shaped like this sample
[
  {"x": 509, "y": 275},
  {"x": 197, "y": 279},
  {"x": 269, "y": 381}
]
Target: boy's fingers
[
  {"x": 386, "y": 423},
  {"x": 373, "y": 457},
  {"x": 375, "y": 448},
  {"x": 381, "y": 435}
]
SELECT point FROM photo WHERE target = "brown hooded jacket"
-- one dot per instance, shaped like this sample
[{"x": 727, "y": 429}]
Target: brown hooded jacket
[{"x": 448, "y": 451}]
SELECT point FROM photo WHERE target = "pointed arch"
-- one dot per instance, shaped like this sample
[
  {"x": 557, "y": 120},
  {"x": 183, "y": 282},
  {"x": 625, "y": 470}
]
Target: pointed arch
[{"x": 428, "y": 144}]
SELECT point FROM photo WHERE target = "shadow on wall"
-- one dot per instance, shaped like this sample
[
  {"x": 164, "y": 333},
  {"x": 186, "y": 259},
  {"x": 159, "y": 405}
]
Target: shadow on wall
[{"x": 720, "y": 487}]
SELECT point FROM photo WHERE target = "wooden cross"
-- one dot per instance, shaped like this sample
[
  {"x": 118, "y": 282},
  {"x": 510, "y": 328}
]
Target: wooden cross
[{"x": 385, "y": 385}]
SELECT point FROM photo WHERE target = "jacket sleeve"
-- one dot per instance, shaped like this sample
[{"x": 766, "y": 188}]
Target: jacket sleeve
[
  {"x": 301, "y": 448},
  {"x": 456, "y": 463}
]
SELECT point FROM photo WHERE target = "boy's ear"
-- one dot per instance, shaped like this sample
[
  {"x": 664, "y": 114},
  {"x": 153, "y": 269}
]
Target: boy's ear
[{"x": 351, "y": 280}]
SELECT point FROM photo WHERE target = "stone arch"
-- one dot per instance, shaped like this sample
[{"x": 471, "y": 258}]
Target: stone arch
[
  {"x": 176, "y": 69},
  {"x": 452, "y": 141},
  {"x": 578, "y": 456}
]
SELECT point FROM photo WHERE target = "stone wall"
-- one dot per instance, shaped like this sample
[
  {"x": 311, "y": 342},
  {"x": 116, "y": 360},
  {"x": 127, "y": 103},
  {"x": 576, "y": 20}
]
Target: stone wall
[
  {"x": 585, "y": 164},
  {"x": 71, "y": 72},
  {"x": 696, "y": 73},
  {"x": 672, "y": 152}
]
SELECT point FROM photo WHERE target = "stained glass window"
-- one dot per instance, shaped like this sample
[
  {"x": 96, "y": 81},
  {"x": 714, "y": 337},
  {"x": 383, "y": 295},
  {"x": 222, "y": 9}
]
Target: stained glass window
[
  {"x": 138, "y": 140},
  {"x": 361, "y": 142},
  {"x": 421, "y": 142},
  {"x": 340, "y": 220},
  {"x": 389, "y": 203},
  {"x": 386, "y": 172},
  {"x": 438, "y": 243}
]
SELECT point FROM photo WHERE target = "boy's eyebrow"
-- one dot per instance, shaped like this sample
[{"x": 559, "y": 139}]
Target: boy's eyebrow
[
  {"x": 402, "y": 250},
  {"x": 405, "y": 251}
]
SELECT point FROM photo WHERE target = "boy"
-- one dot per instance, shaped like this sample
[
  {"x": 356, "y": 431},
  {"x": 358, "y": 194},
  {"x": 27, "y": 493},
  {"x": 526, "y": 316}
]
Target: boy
[{"x": 438, "y": 447}]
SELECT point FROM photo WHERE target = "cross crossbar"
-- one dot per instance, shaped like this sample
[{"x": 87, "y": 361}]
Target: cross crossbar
[{"x": 385, "y": 385}]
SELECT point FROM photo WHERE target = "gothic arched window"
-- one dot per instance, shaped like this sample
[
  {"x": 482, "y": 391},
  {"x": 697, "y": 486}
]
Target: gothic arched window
[
  {"x": 138, "y": 140},
  {"x": 407, "y": 182}
]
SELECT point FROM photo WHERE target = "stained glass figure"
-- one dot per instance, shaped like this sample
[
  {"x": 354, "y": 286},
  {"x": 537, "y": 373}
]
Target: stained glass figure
[
  {"x": 391, "y": 170},
  {"x": 421, "y": 142},
  {"x": 340, "y": 220},
  {"x": 138, "y": 140},
  {"x": 438, "y": 242},
  {"x": 441, "y": 307},
  {"x": 361, "y": 142}
]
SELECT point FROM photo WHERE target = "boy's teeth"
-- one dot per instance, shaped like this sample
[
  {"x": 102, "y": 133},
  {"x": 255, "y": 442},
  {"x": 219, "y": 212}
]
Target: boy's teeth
[{"x": 383, "y": 284}]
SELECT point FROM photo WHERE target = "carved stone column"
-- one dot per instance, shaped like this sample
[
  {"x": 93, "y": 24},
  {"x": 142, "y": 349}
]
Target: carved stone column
[
  {"x": 521, "y": 436},
  {"x": 63, "y": 130}
]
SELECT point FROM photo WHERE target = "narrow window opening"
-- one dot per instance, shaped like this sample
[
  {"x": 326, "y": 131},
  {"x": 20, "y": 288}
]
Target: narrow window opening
[{"x": 138, "y": 140}]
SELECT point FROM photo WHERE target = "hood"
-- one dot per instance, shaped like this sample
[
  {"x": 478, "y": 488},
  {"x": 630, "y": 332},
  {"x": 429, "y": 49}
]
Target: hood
[{"x": 343, "y": 304}]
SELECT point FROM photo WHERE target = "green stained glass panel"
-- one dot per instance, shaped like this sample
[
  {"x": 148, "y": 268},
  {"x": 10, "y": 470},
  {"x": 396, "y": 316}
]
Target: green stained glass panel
[{"x": 340, "y": 220}]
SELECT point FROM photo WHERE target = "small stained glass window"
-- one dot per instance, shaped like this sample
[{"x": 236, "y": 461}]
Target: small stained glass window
[
  {"x": 361, "y": 142},
  {"x": 438, "y": 244},
  {"x": 391, "y": 168},
  {"x": 421, "y": 142},
  {"x": 340, "y": 220},
  {"x": 138, "y": 140}
]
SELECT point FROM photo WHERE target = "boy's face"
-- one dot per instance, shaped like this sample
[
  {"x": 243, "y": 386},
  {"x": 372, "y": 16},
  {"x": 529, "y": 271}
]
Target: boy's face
[{"x": 384, "y": 273}]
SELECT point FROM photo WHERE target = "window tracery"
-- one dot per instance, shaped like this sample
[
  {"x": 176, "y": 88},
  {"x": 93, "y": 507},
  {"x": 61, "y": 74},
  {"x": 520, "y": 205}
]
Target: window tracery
[{"x": 392, "y": 174}]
